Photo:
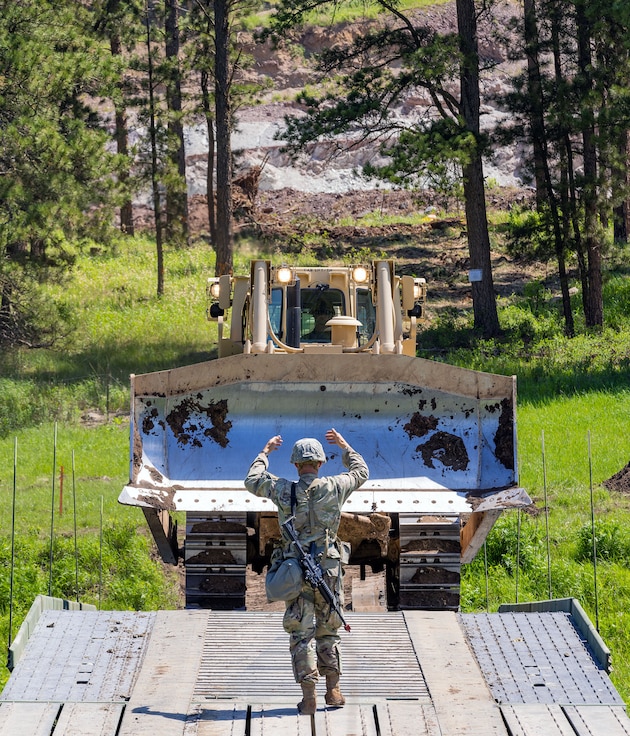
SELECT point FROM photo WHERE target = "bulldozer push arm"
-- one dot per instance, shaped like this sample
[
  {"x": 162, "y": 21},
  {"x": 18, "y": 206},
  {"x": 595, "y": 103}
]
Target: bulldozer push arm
[{"x": 313, "y": 573}]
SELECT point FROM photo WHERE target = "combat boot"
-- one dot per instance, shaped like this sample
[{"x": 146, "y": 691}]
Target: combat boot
[
  {"x": 333, "y": 693},
  {"x": 308, "y": 705}
]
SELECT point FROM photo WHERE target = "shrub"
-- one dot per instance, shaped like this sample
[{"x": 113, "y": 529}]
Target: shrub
[
  {"x": 512, "y": 544},
  {"x": 611, "y": 542},
  {"x": 527, "y": 325},
  {"x": 528, "y": 235},
  {"x": 617, "y": 300},
  {"x": 122, "y": 574}
]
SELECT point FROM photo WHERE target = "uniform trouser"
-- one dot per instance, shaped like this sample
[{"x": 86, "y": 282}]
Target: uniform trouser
[{"x": 313, "y": 627}]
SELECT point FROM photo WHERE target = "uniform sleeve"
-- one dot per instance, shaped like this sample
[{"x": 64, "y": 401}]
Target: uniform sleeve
[
  {"x": 259, "y": 480},
  {"x": 356, "y": 476}
]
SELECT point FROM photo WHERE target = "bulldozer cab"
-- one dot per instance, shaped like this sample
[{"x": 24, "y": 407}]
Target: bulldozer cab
[
  {"x": 320, "y": 305},
  {"x": 339, "y": 309}
]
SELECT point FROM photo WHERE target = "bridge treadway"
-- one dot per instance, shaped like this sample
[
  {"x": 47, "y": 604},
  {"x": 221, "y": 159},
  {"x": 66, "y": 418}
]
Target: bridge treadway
[{"x": 212, "y": 673}]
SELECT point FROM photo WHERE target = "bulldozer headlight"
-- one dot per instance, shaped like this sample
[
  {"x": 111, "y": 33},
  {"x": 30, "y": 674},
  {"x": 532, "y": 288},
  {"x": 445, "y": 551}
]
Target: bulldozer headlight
[
  {"x": 359, "y": 274},
  {"x": 419, "y": 286},
  {"x": 284, "y": 275},
  {"x": 214, "y": 288}
]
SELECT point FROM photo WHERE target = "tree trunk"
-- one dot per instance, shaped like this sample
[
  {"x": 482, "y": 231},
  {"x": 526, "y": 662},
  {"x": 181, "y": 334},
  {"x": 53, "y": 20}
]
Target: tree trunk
[
  {"x": 594, "y": 305},
  {"x": 122, "y": 148},
  {"x": 207, "y": 111},
  {"x": 621, "y": 215},
  {"x": 535, "y": 97},
  {"x": 223, "y": 243},
  {"x": 176, "y": 195},
  {"x": 568, "y": 196},
  {"x": 155, "y": 185},
  {"x": 484, "y": 299},
  {"x": 545, "y": 193}
]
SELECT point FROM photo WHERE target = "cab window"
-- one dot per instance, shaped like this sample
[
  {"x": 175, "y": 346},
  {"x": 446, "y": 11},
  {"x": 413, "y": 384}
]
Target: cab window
[
  {"x": 275, "y": 311},
  {"x": 318, "y": 306},
  {"x": 366, "y": 314}
]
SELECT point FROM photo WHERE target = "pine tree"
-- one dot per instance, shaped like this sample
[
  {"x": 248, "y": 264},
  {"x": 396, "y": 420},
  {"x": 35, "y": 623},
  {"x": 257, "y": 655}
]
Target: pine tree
[
  {"x": 120, "y": 22},
  {"x": 577, "y": 105},
  {"x": 484, "y": 301},
  {"x": 214, "y": 58},
  {"x": 177, "y": 226},
  {"x": 365, "y": 81},
  {"x": 57, "y": 177}
]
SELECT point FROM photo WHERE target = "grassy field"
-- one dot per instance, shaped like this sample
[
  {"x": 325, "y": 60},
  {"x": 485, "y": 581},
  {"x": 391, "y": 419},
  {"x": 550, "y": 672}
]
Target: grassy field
[
  {"x": 68, "y": 407},
  {"x": 349, "y": 13}
]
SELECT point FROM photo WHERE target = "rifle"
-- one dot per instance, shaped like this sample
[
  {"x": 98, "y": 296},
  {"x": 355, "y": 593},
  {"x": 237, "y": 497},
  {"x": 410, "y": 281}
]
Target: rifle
[{"x": 313, "y": 572}]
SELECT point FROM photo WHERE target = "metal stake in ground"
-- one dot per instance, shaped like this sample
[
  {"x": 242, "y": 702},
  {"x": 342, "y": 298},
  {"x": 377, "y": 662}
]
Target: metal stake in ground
[
  {"x": 594, "y": 537},
  {"x": 76, "y": 550},
  {"x": 544, "y": 464},
  {"x": 12, "y": 546},
  {"x": 52, "y": 511}
]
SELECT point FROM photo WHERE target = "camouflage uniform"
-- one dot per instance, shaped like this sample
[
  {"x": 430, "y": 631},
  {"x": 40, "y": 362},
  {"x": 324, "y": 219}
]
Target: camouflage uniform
[{"x": 312, "y": 626}]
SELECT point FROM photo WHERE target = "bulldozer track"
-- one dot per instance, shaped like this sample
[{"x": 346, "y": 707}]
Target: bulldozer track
[{"x": 215, "y": 556}]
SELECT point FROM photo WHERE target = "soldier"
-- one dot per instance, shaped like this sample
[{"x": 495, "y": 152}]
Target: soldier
[{"x": 316, "y": 504}]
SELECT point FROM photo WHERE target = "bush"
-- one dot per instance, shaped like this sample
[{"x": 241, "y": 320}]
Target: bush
[
  {"x": 29, "y": 318},
  {"x": 121, "y": 575},
  {"x": 611, "y": 542},
  {"x": 512, "y": 544},
  {"x": 528, "y": 235},
  {"x": 617, "y": 300},
  {"x": 29, "y": 403},
  {"x": 527, "y": 325}
]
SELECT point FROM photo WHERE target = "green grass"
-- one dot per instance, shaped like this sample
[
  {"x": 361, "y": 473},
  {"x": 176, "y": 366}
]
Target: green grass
[
  {"x": 124, "y": 574},
  {"x": 117, "y": 325},
  {"x": 575, "y": 392},
  {"x": 561, "y": 473},
  {"x": 563, "y": 441},
  {"x": 347, "y": 12},
  {"x": 360, "y": 10},
  {"x": 378, "y": 219},
  {"x": 100, "y": 456}
]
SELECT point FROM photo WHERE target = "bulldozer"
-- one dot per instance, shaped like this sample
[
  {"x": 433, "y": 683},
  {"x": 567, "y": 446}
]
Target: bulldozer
[{"x": 300, "y": 350}]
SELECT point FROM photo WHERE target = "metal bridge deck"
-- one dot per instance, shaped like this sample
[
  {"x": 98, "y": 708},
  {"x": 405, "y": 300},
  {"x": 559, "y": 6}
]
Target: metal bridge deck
[
  {"x": 537, "y": 658},
  {"x": 201, "y": 673},
  {"x": 246, "y": 657}
]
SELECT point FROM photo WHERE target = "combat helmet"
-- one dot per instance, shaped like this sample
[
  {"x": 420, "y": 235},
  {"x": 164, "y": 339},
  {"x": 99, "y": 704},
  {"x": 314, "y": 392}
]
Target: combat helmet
[{"x": 308, "y": 449}]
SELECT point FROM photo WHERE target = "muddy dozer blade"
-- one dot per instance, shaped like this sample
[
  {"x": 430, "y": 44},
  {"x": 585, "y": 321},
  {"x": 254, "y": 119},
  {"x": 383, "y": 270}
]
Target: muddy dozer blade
[{"x": 433, "y": 435}]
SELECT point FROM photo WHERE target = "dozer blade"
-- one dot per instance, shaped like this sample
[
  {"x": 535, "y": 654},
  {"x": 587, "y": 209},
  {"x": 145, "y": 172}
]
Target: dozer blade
[{"x": 437, "y": 439}]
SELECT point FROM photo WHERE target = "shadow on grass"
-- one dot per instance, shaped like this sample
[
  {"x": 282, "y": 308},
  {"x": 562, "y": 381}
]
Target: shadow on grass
[{"x": 107, "y": 362}]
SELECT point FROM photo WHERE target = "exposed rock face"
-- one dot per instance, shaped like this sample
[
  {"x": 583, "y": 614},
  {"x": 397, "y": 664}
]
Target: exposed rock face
[
  {"x": 330, "y": 166},
  {"x": 325, "y": 181}
]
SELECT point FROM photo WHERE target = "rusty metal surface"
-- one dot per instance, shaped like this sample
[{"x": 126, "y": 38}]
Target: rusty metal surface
[{"x": 421, "y": 426}]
